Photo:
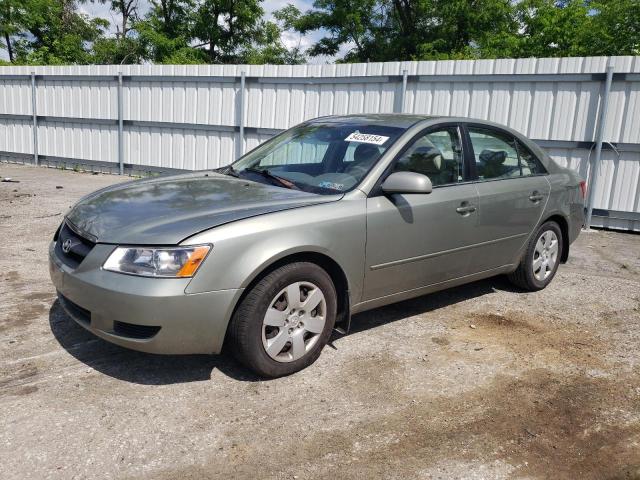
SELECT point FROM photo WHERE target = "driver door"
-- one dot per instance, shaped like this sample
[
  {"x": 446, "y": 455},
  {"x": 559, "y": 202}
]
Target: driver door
[{"x": 416, "y": 240}]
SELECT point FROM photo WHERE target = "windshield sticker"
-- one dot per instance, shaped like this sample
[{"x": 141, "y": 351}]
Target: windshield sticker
[
  {"x": 366, "y": 138},
  {"x": 332, "y": 186}
]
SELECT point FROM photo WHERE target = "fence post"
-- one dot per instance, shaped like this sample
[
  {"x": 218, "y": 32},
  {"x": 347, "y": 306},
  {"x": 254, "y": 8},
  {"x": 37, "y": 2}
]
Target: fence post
[
  {"x": 241, "y": 116},
  {"x": 595, "y": 171},
  {"x": 35, "y": 118},
  {"x": 120, "y": 127},
  {"x": 404, "y": 90}
]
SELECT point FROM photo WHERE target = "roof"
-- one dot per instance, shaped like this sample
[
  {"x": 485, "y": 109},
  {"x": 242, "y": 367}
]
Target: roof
[
  {"x": 403, "y": 120},
  {"x": 388, "y": 119}
]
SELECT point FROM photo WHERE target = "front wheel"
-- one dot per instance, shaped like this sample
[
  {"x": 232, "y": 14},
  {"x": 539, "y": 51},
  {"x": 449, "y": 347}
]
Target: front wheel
[
  {"x": 540, "y": 262},
  {"x": 285, "y": 320}
]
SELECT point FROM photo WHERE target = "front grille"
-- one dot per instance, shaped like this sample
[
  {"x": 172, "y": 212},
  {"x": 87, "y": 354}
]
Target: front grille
[
  {"x": 81, "y": 314},
  {"x": 79, "y": 247},
  {"x": 131, "y": 330}
]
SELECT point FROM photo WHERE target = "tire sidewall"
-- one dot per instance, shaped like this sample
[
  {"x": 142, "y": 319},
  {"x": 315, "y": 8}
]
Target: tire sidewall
[
  {"x": 548, "y": 226},
  {"x": 275, "y": 283}
]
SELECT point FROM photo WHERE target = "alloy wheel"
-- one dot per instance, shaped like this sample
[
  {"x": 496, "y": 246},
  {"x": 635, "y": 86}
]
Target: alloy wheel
[
  {"x": 545, "y": 255},
  {"x": 294, "y": 321}
]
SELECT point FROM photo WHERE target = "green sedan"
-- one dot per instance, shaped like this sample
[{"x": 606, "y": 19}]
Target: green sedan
[{"x": 335, "y": 216}]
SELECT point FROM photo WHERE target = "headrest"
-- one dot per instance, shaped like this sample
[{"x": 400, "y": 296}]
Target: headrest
[
  {"x": 493, "y": 157},
  {"x": 430, "y": 157},
  {"x": 365, "y": 152}
]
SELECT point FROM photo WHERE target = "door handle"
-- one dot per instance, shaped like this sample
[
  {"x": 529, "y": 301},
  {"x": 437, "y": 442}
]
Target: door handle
[
  {"x": 535, "y": 197},
  {"x": 465, "y": 209}
]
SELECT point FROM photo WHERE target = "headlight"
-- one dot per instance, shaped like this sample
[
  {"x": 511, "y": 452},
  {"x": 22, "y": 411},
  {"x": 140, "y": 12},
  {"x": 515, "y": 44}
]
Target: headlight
[{"x": 157, "y": 262}]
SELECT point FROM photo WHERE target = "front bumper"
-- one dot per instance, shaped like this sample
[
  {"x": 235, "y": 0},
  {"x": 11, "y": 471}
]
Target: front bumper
[{"x": 102, "y": 302}]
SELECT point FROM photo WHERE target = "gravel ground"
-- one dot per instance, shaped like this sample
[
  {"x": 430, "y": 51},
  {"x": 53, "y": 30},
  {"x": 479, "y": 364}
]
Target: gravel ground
[{"x": 481, "y": 381}]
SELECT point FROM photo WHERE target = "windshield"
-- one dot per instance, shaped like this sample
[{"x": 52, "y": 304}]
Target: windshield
[{"x": 324, "y": 158}]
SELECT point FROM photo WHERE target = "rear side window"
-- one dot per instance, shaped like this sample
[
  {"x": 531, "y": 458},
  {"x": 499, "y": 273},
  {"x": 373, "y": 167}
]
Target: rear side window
[
  {"x": 529, "y": 162},
  {"x": 499, "y": 155},
  {"x": 495, "y": 154}
]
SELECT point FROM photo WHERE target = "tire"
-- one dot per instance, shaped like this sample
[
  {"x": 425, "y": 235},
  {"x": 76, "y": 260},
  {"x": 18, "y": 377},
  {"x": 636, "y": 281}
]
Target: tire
[
  {"x": 530, "y": 274},
  {"x": 270, "y": 323}
]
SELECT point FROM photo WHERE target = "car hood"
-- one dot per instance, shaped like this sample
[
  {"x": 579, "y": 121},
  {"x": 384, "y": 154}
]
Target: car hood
[{"x": 166, "y": 210}]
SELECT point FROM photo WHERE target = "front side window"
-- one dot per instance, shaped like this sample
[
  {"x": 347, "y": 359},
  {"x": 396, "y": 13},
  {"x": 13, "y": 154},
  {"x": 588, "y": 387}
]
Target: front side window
[
  {"x": 436, "y": 154},
  {"x": 319, "y": 157},
  {"x": 499, "y": 155}
]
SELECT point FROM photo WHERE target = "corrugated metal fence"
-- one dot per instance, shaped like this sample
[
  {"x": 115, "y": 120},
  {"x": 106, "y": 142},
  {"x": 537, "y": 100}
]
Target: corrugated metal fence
[{"x": 149, "y": 118}]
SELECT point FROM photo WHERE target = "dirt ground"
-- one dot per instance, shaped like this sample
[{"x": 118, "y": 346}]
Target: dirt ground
[{"x": 481, "y": 381}]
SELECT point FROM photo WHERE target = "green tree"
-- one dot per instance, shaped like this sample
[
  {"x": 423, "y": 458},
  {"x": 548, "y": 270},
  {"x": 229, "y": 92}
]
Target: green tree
[
  {"x": 12, "y": 17},
  {"x": 127, "y": 10},
  {"x": 121, "y": 48},
  {"x": 401, "y": 29},
  {"x": 551, "y": 28},
  {"x": 166, "y": 33},
  {"x": 382, "y": 30},
  {"x": 267, "y": 47},
  {"x": 53, "y": 32},
  {"x": 357, "y": 22},
  {"x": 211, "y": 31},
  {"x": 227, "y": 27},
  {"x": 117, "y": 50},
  {"x": 614, "y": 28}
]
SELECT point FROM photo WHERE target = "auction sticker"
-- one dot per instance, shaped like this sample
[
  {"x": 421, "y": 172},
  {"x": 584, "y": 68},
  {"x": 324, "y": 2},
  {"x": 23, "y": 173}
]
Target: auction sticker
[{"x": 366, "y": 138}]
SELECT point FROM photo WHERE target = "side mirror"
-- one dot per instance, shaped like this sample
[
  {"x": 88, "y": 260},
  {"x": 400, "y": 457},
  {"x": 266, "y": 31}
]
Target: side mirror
[{"x": 407, "y": 182}]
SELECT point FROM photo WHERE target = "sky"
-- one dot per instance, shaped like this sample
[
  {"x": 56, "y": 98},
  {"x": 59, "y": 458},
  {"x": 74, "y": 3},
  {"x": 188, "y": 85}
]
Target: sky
[{"x": 290, "y": 39}]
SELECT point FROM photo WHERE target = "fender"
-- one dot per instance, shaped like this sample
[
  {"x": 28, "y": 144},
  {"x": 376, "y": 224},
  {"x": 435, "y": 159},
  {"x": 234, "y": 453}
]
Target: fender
[{"x": 336, "y": 231}]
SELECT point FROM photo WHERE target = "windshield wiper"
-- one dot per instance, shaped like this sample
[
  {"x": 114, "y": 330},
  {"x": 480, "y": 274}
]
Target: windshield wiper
[{"x": 270, "y": 176}]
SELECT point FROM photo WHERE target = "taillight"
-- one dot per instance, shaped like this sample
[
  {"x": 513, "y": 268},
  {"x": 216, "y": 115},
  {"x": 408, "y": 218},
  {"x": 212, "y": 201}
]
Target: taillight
[{"x": 583, "y": 189}]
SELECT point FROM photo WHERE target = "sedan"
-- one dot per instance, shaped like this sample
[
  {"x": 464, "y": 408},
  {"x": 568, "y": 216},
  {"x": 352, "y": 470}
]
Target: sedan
[{"x": 335, "y": 216}]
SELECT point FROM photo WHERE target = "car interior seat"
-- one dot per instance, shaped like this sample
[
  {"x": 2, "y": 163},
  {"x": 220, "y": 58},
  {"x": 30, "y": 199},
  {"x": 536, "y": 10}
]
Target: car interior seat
[
  {"x": 491, "y": 164},
  {"x": 364, "y": 156},
  {"x": 427, "y": 159}
]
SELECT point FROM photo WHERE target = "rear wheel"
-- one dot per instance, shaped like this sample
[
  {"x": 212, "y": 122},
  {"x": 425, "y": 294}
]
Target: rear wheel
[
  {"x": 541, "y": 259},
  {"x": 285, "y": 320}
]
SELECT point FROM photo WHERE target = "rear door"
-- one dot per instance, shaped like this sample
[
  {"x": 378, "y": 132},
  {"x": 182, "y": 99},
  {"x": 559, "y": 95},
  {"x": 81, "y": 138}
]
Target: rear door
[
  {"x": 421, "y": 239},
  {"x": 513, "y": 191}
]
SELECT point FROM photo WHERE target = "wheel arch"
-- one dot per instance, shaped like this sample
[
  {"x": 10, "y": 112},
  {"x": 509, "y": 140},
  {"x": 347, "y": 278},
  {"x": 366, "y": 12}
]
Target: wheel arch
[{"x": 324, "y": 261}]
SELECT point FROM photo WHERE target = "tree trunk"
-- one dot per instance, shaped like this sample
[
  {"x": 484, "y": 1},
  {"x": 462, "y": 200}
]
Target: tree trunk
[
  {"x": 124, "y": 24},
  {"x": 403, "y": 10},
  {"x": 67, "y": 12},
  {"x": 7, "y": 40},
  {"x": 128, "y": 8}
]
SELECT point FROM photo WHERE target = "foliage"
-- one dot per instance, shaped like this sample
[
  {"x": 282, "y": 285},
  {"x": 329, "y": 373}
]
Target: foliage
[
  {"x": 119, "y": 50},
  {"x": 268, "y": 48},
  {"x": 12, "y": 17},
  {"x": 165, "y": 34},
  {"x": 226, "y": 27},
  {"x": 50, "y": 32},
  {"x": 384, "y": 30},
  {"x": 211, "y": 31},
  {"x": 236, "y": 31}
]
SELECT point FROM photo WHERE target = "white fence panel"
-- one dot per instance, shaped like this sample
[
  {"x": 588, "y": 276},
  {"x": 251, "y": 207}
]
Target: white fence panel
[
  {"x": 15, "y": 95},
  {"x": 189, "y": 117},
  {"x": 16, "y": 136}
]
